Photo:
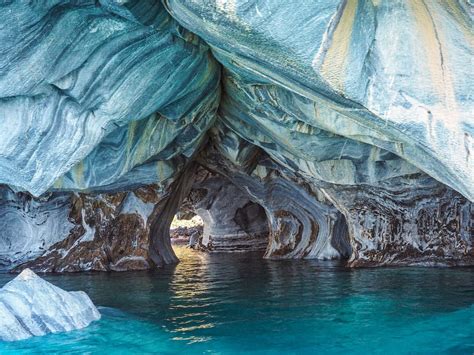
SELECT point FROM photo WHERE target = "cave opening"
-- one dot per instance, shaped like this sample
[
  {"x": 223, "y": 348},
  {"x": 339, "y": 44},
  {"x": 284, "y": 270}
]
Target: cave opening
[
  {"x": 218, "y": 216},
  {"x": 186, "y": 230}
]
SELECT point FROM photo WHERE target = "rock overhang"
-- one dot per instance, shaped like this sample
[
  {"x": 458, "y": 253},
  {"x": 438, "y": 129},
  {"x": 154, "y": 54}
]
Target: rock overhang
[{"x": 332, "y": 92}]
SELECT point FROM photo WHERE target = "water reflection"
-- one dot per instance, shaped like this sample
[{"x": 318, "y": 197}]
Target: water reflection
[
  {"x": 239, "y": 302},
  {"x": 189, "y": 287}
]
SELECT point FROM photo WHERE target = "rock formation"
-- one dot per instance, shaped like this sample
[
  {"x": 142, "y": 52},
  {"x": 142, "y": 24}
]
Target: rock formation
[
  {"x": 30, "y": 306},
  {"x": 106, "y": 232},
  {"x": 331, "y": 129},
  {"x": 237, "y": 226},
  {"x": 302, "y": 222},
  {"x": 29, "y": 226}
]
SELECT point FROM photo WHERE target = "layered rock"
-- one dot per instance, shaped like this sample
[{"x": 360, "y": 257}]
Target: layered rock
[
  {"x": 302, "y": 222},
  {"x": 413, "y": 220},
  {"x": 405, "y": 220},
  {"x": 160, "y": 249},
  {"x": 93, "y": 96},
  {"x": 358, "y": 69},
  {"x": 30, "y": 226},
  {"x": 340, "y": 129},
  {"x": 70, "y": 124},
  {"x": 30, "y": 306},
  {"x": 107, "y": 232},
  {"x": 232, "y": 222}
]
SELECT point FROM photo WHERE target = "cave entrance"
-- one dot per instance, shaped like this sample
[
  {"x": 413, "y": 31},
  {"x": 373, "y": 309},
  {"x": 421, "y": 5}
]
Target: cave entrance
[
  {"x": 186, "y": 230},
  {"x": 217, "y": 216}
]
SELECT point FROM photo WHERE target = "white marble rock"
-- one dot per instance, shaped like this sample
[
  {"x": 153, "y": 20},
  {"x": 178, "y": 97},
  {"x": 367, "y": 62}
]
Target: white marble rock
[{"x": 31, "y": 306}]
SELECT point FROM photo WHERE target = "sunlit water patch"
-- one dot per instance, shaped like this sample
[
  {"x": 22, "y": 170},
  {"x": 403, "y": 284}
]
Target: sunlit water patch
[{"x": 232, "y": 303}]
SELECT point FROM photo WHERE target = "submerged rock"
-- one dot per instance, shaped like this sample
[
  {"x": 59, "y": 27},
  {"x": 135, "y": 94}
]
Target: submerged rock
[{"x": 31, "y": 306}]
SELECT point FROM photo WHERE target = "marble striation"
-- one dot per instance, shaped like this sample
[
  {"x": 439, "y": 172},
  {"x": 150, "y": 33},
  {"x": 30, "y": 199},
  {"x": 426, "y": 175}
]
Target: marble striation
[
  {"x": 391, "y": 74},
  {"x": 31, "y": 306},
  {"x": 89, "y": 93},
  {"x": 107, "y": 232},
  {"x": 344, "y": 127},
  {"x": 302, "y": 222},
  {"x": 29, "y": 226},
  {"x": 238, "y": 226}
]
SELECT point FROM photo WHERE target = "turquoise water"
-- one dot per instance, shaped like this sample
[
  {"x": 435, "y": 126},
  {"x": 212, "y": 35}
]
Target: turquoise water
[{"x": 233, "y": 303}]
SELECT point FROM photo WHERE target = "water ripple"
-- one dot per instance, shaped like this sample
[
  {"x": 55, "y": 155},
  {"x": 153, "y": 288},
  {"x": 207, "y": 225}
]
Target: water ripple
[{"x": 223, "y": 303}]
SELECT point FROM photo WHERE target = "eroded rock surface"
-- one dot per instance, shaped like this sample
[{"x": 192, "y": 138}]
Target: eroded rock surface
[
  {"x": 302, "y": 222},
  {"x": 232, "y": 222},
  {"x": 346, "y": 125},
  {"x": 106, "y": 232},
  {"x": 388, "y": 73},
  {"x": 90, "y": 93},
  {"x": 31, "y": 306},
  {"x": 419, "y": 221},
  {"x": 30, "y": 226}
]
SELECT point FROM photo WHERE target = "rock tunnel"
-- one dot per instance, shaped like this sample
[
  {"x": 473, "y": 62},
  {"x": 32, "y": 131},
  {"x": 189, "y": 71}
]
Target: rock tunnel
[{"x": 321, "y": 139}]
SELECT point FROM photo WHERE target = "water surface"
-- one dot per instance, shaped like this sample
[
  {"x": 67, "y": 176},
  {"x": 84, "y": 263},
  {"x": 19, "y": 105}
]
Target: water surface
[{"x": 233, "y": 303}]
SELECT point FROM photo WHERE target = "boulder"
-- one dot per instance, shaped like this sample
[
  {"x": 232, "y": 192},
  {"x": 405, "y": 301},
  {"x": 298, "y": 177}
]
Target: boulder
[{"x": 31, "y": 306}]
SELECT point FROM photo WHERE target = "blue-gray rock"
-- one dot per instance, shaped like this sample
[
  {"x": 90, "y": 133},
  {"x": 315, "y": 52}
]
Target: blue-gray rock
[
  {"x": 349, "y": 122},
  {"x": 238, "y": 226},
  {"x": 392, "y": 74},
  {"x": 29, "y": 227},
  {"x": 31, "y": 306},
  {"x": 85, "y": 91}
]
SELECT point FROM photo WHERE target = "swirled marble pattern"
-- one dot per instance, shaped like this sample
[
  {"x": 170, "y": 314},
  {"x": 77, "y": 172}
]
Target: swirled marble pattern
[
  {"x": 104, "y": 232},
  {"x": 348, "y": 122},
  {"x": 238, "y": 226},
  {"x": 75, "y": 78},
  {"x": 302, "y": 222},
  {"x": 28, "y": 226},
  {"x": 392, "y": 74}
]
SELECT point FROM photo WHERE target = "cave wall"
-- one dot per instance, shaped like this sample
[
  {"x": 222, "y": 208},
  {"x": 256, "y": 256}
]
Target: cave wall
[
  {"x": 302, "y": 222},
  {"x": 28, "y": 226},
  {"x": 232, "y": 221},
  {"x": 414, "y": 220},
  {"x": 349, "y": 122},
  {"x": 408, "y": 220},
  {"x": 102, "y": 232}
]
